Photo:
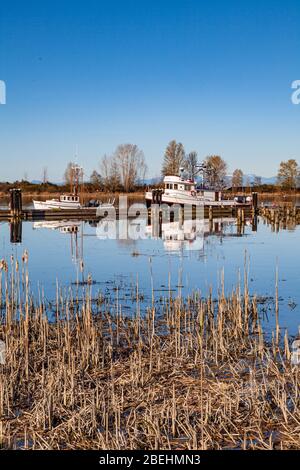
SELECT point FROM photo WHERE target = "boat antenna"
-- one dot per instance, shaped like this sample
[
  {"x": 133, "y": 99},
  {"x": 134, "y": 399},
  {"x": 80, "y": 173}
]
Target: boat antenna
[
  {"x": 181, "y": 171},
  {"x": 76, "y": 153},
  {"x": 202, "y": 168}
]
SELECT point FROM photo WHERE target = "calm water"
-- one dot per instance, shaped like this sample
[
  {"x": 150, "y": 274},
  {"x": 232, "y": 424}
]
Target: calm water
[{"x": 68, "y": 252}]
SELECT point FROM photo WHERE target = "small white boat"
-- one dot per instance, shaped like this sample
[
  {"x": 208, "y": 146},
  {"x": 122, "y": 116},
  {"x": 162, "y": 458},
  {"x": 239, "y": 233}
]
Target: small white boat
[{"x": 66, "y": 201}]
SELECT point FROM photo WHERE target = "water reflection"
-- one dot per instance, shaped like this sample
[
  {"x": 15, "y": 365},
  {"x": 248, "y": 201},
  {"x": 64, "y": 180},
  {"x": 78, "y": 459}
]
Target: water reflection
[
  {"x": 178, "y": 236},
  {"x": 189, "y": 235},
  {"x": 74, "y": 229},
  {"x": 66, "y": 251},
  {"x": 62, "y": 226}
]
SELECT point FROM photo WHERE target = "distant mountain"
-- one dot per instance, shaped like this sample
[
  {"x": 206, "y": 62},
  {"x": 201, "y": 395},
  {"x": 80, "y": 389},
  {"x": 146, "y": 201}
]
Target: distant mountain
[
  {"x": 247, "y": 178},
  {"x": 51, "y": 182},
  {"x": 150, "y": 181},
  {"x": 264, "y": 180},
  {"x": 250, "y": 178}
]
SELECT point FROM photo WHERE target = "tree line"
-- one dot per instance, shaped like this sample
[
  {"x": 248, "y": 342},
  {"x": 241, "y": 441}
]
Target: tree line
[
  {"x": 288, "y": 176},
  {"x": 125, "y": 170}
]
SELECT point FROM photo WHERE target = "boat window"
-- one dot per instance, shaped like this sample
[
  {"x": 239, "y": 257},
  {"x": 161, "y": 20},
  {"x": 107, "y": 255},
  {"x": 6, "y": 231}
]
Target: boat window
[
  {"x": 167, "y": 186},
  {"x": 171, "y": 186},
  {"x": 175, "y": 186}
]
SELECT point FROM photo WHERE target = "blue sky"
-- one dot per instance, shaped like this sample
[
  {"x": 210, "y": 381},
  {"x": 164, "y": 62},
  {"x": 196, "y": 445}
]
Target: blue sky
[{"x": 214, "y": 75}]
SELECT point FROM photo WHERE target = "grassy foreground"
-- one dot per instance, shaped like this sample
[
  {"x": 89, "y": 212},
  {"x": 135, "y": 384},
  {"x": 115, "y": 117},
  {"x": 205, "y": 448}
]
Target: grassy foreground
[{"x": 189, "y": 374}]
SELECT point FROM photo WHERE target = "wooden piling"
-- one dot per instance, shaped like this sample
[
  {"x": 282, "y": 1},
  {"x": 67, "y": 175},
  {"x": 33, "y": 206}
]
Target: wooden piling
[
  {"x": 254, "y": 202},
  {"x": 16, "y": 203}
]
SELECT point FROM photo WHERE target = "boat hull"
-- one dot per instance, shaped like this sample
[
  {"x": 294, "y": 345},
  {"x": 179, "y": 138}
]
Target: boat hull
[
  {"x": 176, "y": 199},
  {"x": 54, "y": 204},
  {"x": 193, "y": 201}
]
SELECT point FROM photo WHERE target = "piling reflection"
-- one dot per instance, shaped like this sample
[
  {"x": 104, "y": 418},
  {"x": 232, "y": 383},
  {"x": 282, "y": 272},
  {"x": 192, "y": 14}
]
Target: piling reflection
[{"x": 16, "y": 231}]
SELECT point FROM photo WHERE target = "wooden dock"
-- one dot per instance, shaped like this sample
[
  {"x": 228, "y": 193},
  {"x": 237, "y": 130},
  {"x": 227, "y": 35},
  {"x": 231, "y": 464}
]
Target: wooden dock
[
  {"x": 91, "y": 213},
  {"x": 63, "y": 214},
  {"x": 213, "y": 211}
]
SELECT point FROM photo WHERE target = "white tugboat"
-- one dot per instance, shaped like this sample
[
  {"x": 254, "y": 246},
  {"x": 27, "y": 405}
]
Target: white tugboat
[{"x": 178, "y": 190}]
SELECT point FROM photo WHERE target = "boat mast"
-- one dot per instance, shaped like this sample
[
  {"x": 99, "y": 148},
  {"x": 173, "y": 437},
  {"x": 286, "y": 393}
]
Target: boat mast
[{"x": 76, "y": 178}]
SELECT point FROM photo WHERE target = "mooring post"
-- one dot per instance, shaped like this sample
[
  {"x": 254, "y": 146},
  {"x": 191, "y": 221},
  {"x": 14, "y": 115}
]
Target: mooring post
[
  {"x": 254, "y": 202},
  {"x": 243, "y": 216},
  {"x": 16, "y": 202}
]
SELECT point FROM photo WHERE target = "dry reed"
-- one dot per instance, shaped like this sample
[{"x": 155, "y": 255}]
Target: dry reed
[{"x": 188, "y": 374}]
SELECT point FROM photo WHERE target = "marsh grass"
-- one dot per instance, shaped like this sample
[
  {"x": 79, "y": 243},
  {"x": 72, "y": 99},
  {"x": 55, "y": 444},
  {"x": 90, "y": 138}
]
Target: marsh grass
[{"x": 188, "y": 374}]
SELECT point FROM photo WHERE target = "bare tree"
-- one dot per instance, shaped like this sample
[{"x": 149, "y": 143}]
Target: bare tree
[
  {"x": 257, "y": 181},
  {"x": 96, "y": 179},
  {"x": 216, "y": 169},
  {"x": 247, "y": 182},
  {"x": 174, "y": 158},
  {"x": 73, "y": 176},
  {"x": 45, "y": 175},
  {"x": 105, "y": 167},
  {"x": 110, "y": 173},
  {"x": 191, "y": 164},
  {"x": 114, "y": 179},
  {"x": 131, "y": 163},
  {"x": 237, "y": 178},
  {"x": 68, "y": 174},
  {"x": 288, "y": 174}
]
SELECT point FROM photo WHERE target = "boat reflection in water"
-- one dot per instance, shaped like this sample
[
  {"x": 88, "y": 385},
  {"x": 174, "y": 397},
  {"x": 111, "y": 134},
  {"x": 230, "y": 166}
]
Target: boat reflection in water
[
  {"x": 74, "y": 228},
  {"x": 63, "y": 226},
  {"x": 191, "y": 234},
  {"x": 178, "y": 236}
]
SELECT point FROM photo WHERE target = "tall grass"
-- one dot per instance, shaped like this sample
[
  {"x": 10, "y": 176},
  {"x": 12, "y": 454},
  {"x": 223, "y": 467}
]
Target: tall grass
[{"x": 189, "y": 374}]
